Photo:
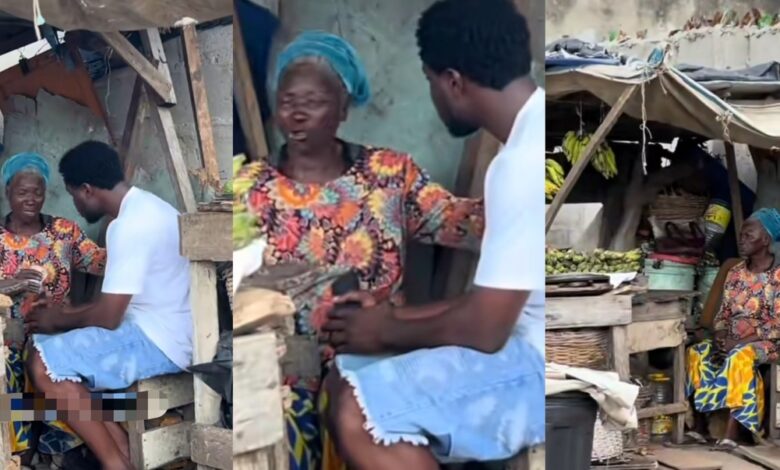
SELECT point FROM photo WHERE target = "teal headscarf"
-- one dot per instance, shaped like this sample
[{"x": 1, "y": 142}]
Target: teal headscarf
[
  {"x": 26, "y": 161},
  {"x": 770, "y": 219},
  {"x": 337, "y": 52}
]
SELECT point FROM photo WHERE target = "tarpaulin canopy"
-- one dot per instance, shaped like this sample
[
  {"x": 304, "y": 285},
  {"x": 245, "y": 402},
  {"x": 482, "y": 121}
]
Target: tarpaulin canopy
[
  {"x": 670, "y": 97},
  {"x": 119, "y": 15}
]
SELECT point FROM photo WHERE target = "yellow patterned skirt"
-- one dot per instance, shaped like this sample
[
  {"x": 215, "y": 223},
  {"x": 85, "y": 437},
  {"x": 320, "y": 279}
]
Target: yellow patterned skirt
[{"x": 733, "y": 383}]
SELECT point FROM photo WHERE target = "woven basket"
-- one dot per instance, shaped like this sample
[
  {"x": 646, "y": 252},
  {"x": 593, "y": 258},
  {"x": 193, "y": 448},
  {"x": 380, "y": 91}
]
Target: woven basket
[
  {"x": 607, "y": 444},
  {"x": 678, "y": 207},
  {"x": 586, "y": 347},
  {"x": 645, "y": 395}
]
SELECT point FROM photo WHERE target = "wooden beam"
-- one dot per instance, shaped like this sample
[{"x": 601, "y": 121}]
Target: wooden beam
[
  {"x": 87, "y": 86},
  {"x": 205, "y": 322},
  {"x": 174, "y": 157},
  {"x": 200, "y": 103},
  {"x": 587, "y": 154},
  {"x": 134, "y": 118},
  {"x": 206, "y": 236},
  {"x": 157, "y": 81},
  {"x": 736, "y": 194},
  {"x": 245, "y": 98}
]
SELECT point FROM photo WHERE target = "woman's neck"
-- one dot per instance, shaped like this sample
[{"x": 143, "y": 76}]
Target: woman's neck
[
  {"x": 20, "y": 226},
  {"x": 315, "y": 167},
  {"x": 761, "y": 262}
]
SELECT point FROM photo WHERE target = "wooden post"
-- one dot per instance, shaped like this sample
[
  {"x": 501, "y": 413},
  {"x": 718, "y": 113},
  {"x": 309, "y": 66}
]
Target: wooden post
[
  {"x": 245, "y": 98},
  {"x": 736, "y": 195},
  {"x": 587, "y": 154},
  {"x": 678, "y": 381},
  {"x": 157, "y": 81},
  {"x": 200, "y": 103},
  {"x": 134, "y": 118}
]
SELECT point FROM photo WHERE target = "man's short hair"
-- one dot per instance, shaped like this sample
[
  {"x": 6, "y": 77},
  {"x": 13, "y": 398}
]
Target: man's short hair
[
  {"x": 94, "y": 163},
  {"x": 487, "y": 41}
]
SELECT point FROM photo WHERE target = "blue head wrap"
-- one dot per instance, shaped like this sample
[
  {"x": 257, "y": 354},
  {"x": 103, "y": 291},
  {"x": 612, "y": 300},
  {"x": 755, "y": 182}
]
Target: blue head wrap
[
  {"x": 770, "y": 219},
  {"x": 338, "y": 53},
  {"x": 26, "y": 161}
]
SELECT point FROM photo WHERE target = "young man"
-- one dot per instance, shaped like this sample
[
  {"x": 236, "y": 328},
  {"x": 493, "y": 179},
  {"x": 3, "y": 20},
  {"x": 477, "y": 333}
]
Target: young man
[
  {"x": 139, "y": 327},
  {"x": 462, "y": 379}
]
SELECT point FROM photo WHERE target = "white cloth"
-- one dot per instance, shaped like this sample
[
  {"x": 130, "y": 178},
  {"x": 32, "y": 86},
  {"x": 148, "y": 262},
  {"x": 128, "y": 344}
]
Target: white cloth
[
  {"x": 616, "y": 399},
  {"x": 512, "y": 252},
  {"x": 144, "y": 261}
]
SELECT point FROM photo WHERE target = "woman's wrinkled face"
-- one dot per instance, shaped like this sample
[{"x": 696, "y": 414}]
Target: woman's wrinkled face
[
  {"x": 26, "y": 194},
  {"x": 310, "y": 106},
  {"x": 753, "y": 238}
]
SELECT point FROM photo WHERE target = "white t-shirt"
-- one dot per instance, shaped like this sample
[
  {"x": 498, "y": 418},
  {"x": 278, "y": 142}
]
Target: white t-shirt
[
  {"x": 142, "y": 246},
  {"x": 512, "y": 254}
]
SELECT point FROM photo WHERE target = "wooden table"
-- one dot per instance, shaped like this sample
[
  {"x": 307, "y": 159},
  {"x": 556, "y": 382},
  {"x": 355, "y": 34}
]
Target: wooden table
[
  {"x": 637, "y": 323},
  {"x": 207, "y": 239}
]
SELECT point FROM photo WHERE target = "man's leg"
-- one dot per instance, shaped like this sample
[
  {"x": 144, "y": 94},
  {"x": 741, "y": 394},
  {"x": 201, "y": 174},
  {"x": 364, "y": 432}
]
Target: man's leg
[
  {"x": 355, "y": 444},
  {"x": 74, "y": 397},
  {"x": 119, "y": 436}
]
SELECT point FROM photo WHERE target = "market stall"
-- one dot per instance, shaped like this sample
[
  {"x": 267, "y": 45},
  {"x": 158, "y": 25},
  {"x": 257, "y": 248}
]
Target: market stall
[{"x": 626, "y": 295}]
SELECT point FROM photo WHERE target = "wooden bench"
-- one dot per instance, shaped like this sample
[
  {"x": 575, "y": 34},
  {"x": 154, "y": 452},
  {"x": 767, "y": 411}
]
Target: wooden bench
[{"x": 152, "y": 445}]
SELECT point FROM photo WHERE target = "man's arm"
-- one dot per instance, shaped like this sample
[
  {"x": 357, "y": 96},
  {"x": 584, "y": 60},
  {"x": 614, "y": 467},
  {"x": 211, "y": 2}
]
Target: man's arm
[
  {"x": 106, "y": 312},
  {"x": 482, "y": 319}
]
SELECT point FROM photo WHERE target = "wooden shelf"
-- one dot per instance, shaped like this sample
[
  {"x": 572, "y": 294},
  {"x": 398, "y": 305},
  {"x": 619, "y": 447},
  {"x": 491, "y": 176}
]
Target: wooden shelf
[{"x": 660, "y": 410}]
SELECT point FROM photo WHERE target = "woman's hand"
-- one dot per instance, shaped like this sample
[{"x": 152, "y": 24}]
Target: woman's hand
[{"x": 31, "y": 280}]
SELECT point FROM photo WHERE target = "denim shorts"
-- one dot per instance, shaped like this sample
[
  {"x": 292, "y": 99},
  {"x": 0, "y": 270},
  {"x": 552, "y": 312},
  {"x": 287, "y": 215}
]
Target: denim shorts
[
  {"x": 463, "y": 404},
  {"x": 103, "y": 359}
]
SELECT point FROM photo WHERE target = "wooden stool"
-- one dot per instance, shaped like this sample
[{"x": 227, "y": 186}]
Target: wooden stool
[{"x": 161, "y": 445}]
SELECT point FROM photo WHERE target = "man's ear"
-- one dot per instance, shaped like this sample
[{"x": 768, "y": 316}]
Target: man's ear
[{"x": 454, "y": 81}]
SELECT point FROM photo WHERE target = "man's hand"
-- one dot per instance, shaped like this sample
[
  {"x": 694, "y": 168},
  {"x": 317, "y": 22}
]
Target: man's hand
[
  {"x": 357, "y": 329},
  {"x": 43, "y": 318}
]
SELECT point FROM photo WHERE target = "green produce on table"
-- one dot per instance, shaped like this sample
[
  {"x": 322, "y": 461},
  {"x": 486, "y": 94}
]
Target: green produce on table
[{"x": 599, "y": 261}]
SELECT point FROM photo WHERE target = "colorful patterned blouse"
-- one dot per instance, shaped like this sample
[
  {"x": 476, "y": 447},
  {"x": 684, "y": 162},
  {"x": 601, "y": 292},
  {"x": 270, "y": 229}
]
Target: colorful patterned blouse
[
  {"x": 59, "y": 248},
  {"x": 751, "y": 304},
  {"x": 360, "y": 221}
]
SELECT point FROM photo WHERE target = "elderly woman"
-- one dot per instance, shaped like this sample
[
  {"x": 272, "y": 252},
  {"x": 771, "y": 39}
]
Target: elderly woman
[
  {"x": 341, "y": 204},
  {"x": 37, "y": 254},
  {"x": 722, "y": 373}
]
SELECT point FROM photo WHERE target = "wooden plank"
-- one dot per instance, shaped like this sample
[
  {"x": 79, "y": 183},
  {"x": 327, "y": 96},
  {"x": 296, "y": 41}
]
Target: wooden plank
[
  {"x": 257, "y": 418},
  {"x": 736, "y": 195},
  {"x": 258, "y": 460},
  {"x": 768, "y": 456},
  {"x": 620, "y": 359},
  {"x": 587, "y": 312},
  {"x": 203, "y": 295},
  {"x": 165, "y": 445},
  {"x": 652, "y": 311},
  {"x": 587, "y": 154},
  {"x": 135, "y": 116},
  {"x": 174, "y": 158},
  {"x": 670, "y": 409},
  {"x": 245, "y": 98},
  {"x": 175, "y": 390},
  {"x": 206, "y": 236},
  {"x": 200, "y": 103},
  {"x": 646, "y": 336},
  {"x": 254, "y": 308},
  {"x": 678, "y": 378},
  {"x": 157, "y": 81},
  {"x": 212, "y": 447},
  {"x": 155, "y": 50},
  {"x": 686, "y": 460}
]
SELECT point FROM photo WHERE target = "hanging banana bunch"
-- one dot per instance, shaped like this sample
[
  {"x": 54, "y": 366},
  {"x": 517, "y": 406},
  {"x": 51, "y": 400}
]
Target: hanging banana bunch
[
  {"x": 554, "y": 177},
  {"x": 604, "y": 161}
]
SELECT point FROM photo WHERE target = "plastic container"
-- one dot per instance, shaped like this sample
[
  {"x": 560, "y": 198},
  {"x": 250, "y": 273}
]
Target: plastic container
[
  {"x": 668, "y": 275},
  {"x": 569, "y": 422},
  {"x": 716, "y": 220}
]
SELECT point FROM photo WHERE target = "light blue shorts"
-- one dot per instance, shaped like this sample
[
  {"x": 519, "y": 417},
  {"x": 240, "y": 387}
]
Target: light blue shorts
[
  {"x": 103, "y": 359},
  {"x": 463, "y": 404}
]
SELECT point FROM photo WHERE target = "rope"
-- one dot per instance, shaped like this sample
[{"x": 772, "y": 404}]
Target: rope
[
  {"x": 725, "y": 120},
  {"x": 37, "y": 18}
]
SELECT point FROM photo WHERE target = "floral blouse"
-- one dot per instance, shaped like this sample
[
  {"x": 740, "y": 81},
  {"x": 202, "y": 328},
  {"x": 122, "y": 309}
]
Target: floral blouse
[
  {"x": 751, "y": 304},
  {"x": 59, "y": 248},
  {"x": 360, "y": 221}
]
